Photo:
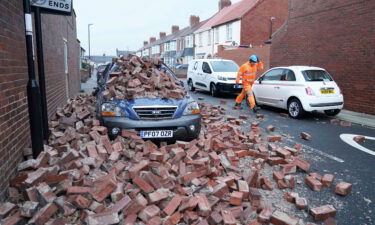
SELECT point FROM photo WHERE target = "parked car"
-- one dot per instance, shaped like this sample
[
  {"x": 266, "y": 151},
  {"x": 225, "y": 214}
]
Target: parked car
[
  {"x": 214, "y": 75},
  {"x": 181, "y": 70},
  {"x": 157, "y": 119},
  {"x": 299, "y": 89},
  {"x": 100, "y": 71}
]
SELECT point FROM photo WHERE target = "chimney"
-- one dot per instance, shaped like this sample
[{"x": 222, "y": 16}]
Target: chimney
[
  {"x": 224, "y": 3},
  {"x": 175, "y": 29},
  {"x": 152, "y": 40},
  {"x": 194, "y": 20},
  {"x": 145, "y": 43},
  {"x": 162, "y": 35}
]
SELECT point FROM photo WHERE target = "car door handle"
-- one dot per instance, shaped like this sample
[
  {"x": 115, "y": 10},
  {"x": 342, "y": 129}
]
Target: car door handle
[{"x": 277, "y": 87}]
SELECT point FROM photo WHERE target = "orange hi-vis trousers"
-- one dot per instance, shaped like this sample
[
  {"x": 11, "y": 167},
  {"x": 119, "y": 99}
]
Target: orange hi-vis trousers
[{"x": 247, "y": 89}]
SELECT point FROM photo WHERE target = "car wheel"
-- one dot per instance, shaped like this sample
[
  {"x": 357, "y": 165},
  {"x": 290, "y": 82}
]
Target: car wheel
[
  {"x": 332, "y": 112},
  {"x": 213, "y": 90},
  {"x": 295, "y": 108},
  {"x": 191, "y": 85}
]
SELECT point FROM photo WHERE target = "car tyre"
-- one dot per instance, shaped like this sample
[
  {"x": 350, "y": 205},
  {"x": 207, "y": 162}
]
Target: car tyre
[
  {"x": 295, "y": 109},
  {"x": 191, "y": 85},
  {"x": 213, "y": 90},
  {"x": 332, "y": 112}
]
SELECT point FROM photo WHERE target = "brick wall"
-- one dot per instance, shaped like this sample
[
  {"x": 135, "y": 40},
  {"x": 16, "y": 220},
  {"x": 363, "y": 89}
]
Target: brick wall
[
  {"x": 335, "y": 35},
  {"x": 241, "y": 55},
  {"x": 14, "y": 118},
  {"x": 255, "y": 25}
]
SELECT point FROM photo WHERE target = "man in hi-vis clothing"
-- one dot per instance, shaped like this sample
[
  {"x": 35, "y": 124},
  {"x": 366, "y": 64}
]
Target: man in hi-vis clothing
[{"x": 247, "y": 75}]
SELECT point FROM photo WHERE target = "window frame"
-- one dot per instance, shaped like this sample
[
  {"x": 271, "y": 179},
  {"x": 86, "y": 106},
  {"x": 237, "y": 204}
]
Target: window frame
[{"x": 229, "y": 29}]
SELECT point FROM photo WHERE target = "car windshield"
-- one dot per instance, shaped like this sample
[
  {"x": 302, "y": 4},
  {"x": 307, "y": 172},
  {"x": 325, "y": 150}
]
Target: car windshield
[
  {"x": 224, "y": 66},
  {"x": 316, "y": 75}
]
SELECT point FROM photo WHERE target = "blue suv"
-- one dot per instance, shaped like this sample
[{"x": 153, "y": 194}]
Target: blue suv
[{"x": 152, "y": 118}]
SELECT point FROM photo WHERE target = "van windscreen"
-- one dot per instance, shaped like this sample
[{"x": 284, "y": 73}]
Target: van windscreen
[{"x": 224, "y": 66}]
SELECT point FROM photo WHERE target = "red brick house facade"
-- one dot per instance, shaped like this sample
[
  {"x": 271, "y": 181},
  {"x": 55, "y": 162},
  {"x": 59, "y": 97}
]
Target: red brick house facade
[
  {"x": 14, "y": 119},
  {"x": 335, "y": 35}
]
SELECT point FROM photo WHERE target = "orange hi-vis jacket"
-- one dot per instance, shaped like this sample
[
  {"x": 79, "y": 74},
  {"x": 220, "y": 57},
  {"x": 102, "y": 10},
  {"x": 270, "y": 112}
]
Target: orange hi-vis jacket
[{"x": 247, "y": 73}]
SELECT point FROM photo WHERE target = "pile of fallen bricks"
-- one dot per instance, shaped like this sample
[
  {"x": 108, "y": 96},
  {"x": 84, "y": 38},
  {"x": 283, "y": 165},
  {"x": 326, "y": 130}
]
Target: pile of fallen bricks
[
  {"x": 84, "y": 178},
  {"x": 142, "y": 78}
]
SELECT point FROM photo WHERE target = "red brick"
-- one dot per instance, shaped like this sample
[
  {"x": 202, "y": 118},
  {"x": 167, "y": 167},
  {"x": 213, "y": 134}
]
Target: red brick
[
  {"x": 244, "y": 188},
  {"x": 81, "y": 202},
  {"x": 91, "y": 149},
  {"x": 289, "y": 168},
  {"x": 158, "y": 195},
  {"x": 283, "y": 153},
  {"x": 228, "y": 217},
  {"x": 277, "y": 175},
  {"x": 301, "y": 203},
  {"x": 343, "y": 188},
  {"x": 203, "y": 204},
  {"x": 78, "y": 190},
  {"x": 236, "y": 198},
  {"x": 323, "y": 212},
  {"x": 15, "y": 219},
  {"x": 302, "y": 164},
  {"x": 215, "y": 218},
  {"x": 327, "y": 180},
  {"x": 173, "y": 205},
  {"x": 359, "y": 138},
  {"x": 306, "y": 136},
  {"x": 174, "y": 219},
  {"x": 147, "y": 213},
  {"x": 142, "y": 184},
  {"x": 6, "y": 208},
  {"x": 281, "y": 218},
  {"x": 154, "y": 221},
  {"x": 157, "y": 156},
  {"x": 265, "y": 215},
  {"x": 28, "y": 209},
  {"x": 313, "y": 183},
  {"x": 104, "y": 189},
  {"x": 44, "y": 214},
  {"x": 274, "y": 138},
  {"x": 267, "y": 185},
  {"x": 103, "y": 218}
]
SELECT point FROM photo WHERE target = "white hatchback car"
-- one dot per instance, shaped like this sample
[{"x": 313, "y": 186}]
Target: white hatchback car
[{"x": 299, "y": 89}]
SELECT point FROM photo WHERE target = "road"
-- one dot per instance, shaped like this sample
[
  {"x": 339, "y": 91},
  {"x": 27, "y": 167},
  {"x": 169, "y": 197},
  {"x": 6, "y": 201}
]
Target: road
[{"x": 327, "y": 154}]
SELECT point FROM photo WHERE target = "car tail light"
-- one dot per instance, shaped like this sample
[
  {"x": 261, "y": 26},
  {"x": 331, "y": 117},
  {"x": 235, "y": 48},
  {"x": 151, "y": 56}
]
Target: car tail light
[{"x": 309, "y": 91}]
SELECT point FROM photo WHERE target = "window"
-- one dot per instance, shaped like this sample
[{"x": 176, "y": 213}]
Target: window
[
  {"x": 224, "y": 66},
  {"x": 66, "y": 56},
  {"x": 217, "y": 35},
  {"x": 316, "y": 75},
  {"x": 200, "y": 39},
  {"x": 209, "y": 37},
  {"x": 189, "y": 41},
  {"x": 229, "y": 32},
  {"x": 273, "y": 75},
  {"x": 206, "y": 68}
]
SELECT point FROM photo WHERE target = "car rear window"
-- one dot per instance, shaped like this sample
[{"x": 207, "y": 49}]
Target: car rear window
[
  {"x": 316, "y": 75},
  {"x": 224, "y": 66}
]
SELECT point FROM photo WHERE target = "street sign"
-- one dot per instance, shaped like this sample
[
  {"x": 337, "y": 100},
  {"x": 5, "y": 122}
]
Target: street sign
[{"x": 63, "y": 6}]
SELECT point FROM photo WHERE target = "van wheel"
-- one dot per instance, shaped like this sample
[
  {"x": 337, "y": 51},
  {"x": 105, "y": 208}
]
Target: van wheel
[
  {"x": 332, "y": 112},
  {"x": 295, "y": 109},
  {"x": 213, "y": 90},
  {"x": 191, "y": 85}
]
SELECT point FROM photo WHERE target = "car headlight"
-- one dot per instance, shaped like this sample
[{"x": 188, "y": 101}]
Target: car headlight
[
  {"x": 109, "y": 109},
  {"x": 192, "y": 108},
  {"x": 222, "y": 78}
]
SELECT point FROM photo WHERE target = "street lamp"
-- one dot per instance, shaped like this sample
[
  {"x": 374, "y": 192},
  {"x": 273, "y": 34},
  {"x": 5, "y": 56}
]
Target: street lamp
[{"x": 88, "y": 27}]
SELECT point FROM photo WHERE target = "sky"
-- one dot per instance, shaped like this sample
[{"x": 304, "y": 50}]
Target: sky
[{"x": 125, "y": 24}]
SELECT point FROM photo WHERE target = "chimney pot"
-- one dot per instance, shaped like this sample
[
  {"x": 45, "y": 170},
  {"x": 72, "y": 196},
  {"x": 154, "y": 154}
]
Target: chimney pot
[
  {"x": 194, "y": 20},
  {"x": 175, "y": 29},
  {"x": 224, "y": 3},
  {"x": 145, "y": 43},
  {"x": 152, "y": 40},
  {"x": 162, "y": 35}
]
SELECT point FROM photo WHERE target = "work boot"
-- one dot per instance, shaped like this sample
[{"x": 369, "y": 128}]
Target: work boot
[
  {"x": 237, "y": 105},
  {"x": 255, "y": 110}
]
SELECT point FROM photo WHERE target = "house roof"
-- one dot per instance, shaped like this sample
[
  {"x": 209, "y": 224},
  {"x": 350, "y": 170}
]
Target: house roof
[{"x": 230, "y": 13}]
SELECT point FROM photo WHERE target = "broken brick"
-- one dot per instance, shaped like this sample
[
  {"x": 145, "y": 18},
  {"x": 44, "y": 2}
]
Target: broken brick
[
  {"x": 313, "y": 183},
  {"x": 323, "y": 212},
  {"x": 305, "y": 136},
  {"x": 343, "y": 188},
  {"x": 281, "y": 218},
  {"x": 327, "y": 180}
]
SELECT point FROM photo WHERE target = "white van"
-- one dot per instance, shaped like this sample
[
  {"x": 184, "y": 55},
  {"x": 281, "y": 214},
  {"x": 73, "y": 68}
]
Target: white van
[{"x": 214, "y": 75}]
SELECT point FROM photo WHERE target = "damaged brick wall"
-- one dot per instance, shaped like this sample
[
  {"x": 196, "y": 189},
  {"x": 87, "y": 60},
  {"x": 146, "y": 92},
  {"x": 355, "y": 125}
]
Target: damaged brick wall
[
  {"x": 255, "y": 25},
  {"x": 14, "y": 125},
  {"x": 241, "y": 55},
  {"x": 335, "y": 35}
]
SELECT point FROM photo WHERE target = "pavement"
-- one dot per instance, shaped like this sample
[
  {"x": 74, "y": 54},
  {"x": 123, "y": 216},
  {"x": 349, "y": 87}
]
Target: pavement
[
  {"x": 327, "y": 152},
  {"x": 88, "y": 86}
]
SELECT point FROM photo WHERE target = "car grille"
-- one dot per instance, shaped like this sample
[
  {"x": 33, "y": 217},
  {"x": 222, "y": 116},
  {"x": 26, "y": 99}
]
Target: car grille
[{"x": 155, "y": 112}]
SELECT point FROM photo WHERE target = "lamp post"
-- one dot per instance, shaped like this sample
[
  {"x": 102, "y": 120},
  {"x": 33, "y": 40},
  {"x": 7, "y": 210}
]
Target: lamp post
[{"x": 88, "y": 27}]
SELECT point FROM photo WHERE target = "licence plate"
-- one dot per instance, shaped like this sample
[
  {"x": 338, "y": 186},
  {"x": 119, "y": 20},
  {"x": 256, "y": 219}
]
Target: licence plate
[
  {"x": 327, "y": 91},
  {"x": 156, "y": 134},
  {"x": 239, "y": 86}
]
